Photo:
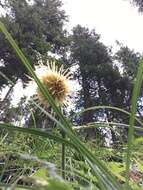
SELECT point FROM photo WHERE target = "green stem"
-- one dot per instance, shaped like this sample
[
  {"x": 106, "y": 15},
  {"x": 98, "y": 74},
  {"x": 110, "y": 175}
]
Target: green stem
[{"x": 63, "y": 155}]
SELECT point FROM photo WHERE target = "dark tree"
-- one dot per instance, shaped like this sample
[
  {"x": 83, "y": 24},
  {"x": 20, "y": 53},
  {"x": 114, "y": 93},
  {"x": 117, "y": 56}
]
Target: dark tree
[
  {"x": 37, "y": 29},
  {"x": 129, "y": 62},
  {"x": 138, "y": 3},
  {"x": 101, "y": 81}
]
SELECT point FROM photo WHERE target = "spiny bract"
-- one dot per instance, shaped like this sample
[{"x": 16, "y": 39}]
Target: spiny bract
[{"x": 56, "y": 80}]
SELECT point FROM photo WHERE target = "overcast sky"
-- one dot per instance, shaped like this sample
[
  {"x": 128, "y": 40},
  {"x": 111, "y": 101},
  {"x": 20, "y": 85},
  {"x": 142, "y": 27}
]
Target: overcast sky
[{"x": 113, "y": 19}]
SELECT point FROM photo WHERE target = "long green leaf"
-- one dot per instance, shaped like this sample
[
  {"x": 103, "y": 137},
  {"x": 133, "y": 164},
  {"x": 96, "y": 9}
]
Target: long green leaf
[
  {"x": 136, "y": 91},
  {"x": 107, "y": 125},
  {"x": 110, "y": 108},
  {"x": 36, "y": 132}
]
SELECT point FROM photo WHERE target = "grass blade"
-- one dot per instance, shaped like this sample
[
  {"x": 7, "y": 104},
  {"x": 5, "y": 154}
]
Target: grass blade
[
  {"x": 136, "y": 91},
  {"x": 35, "y": 132},
  {"x": 110, "y": 108}
]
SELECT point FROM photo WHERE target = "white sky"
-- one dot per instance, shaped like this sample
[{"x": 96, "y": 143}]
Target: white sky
[{"x": 113, "y": 19}]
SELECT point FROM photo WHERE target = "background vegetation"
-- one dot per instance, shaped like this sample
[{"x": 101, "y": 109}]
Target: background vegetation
[{"x": 102, "y": 148}]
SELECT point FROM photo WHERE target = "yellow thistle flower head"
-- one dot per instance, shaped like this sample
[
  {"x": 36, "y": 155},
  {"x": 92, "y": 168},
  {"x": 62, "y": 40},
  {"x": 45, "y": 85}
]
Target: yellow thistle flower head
[{"x": 56, "y": 80}]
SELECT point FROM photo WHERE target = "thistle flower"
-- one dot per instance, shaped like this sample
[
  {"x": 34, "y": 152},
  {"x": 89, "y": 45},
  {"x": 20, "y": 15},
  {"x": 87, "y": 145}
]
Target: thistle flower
[{"x": 56, "y": 80}]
